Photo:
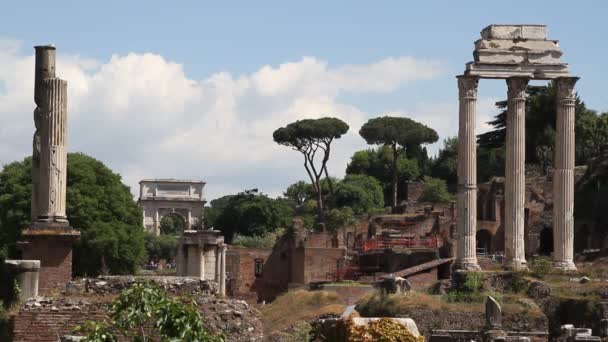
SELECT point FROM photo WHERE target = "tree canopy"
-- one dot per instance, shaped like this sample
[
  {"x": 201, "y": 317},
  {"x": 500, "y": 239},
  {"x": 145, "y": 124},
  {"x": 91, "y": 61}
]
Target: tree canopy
[
  {"x": 251, "y": 213},
  {"x": 361, "y": 193},
  {"x": 98, "y": 204},
  {"x": 400, "y": 134},
  {"x": 309, "y": 137}
]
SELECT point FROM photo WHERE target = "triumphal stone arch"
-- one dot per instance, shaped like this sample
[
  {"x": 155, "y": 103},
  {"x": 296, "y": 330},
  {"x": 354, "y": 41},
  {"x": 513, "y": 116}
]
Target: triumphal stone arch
[
  {"x": 517, "y": 54},
  {"x": 161, "y": 197}
]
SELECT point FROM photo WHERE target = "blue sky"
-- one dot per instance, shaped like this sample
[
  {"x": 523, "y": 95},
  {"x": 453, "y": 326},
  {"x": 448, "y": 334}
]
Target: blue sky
[{"x": 201, "y": 41}]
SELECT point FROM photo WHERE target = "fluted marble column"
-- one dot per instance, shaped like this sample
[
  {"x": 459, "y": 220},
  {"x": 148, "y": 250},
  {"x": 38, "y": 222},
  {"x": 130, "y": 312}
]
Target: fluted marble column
[
  {"x": 53, "y": 151},
  {"x": 466, "y": 256},
  {"x": 223, "y": 270},
  {"x": 515, "y": 172},
  {"x": 563, "y": 177},
  {"x": 45, "y": 68}
]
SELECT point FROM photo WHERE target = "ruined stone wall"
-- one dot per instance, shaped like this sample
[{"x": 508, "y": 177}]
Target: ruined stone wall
[
  {"x": 321, "y": 263},
  {"x": 57, "y": 258},
  {"x": 240, "y": 269}
]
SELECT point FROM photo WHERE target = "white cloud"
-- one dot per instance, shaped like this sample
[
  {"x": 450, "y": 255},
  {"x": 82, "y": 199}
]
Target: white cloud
[{"x": 145, "y": 118}]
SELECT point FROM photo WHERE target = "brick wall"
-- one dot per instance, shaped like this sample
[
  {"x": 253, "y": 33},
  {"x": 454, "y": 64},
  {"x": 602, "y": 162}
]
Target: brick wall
[
  {"x": 48, "y": 326},
  {"x": 240, "y": 266},
  {"x": 55, "y": 255},
  {"x": 321, "y": 263}
]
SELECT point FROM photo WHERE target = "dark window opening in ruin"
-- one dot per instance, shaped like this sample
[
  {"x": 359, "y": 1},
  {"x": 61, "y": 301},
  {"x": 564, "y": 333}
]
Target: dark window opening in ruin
[
  {"x": 582, "y": 238},
  {"x": 546, "y": 241},
  {"x": 258, "y": 267},
  {"x": 484, "y": 241}
]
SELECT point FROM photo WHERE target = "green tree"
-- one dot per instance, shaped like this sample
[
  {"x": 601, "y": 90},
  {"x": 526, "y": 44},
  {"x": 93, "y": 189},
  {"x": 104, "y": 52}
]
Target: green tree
[
  {"x": 361, "y": 193},
  {"x": 98, "y": 204},
  {"x": 378, "y": 163},
  {"x": 212, "y": 212},
  {"x": 309, "y": 137},
  {"x": 251, "y": 213},
  {"x": 445, "y": 165},
  {"x": 340, "y": 217},
  {"x": 161, "y": 246},
  {"x": 435, "y": 191},
  {"x": 298, "y": 192},
  {"x": 172, "y": 225},
  {"x": 144, "y": 312},
  {"x": 399, "y": 134},
  {"x": 541, "y": 109}
]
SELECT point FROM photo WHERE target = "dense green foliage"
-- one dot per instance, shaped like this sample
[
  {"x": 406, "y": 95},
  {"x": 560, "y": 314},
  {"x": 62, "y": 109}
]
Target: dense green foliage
[
  {"x": 252, "y": 213},
  {"x": 267, "y": 240},
  {"x": 378, "y": 163},
  {"x": 402, "y": 135},
  {"x": 445, "y": 164},
  {"x": 98, "y": 204},
  {"x": 144, "y": 312},
  {"x": 340, "y": 217},
  {"x": 172, "y": 225},
  {"x": 161, "y": 247},
  {"x": 435, "y": 191},
  {"x": 309, "y": 137},
  {"x": 361, "y": 193}
]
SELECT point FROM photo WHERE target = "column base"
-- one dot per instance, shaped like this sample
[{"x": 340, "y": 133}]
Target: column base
[
  {"x": 564, "y": 265},
  {"x": 467, "y": 265},
  {"x": 516, "y": 265}
]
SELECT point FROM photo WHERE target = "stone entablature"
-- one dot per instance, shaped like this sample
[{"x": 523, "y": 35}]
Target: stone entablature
[
  {"x": 202, "y": 254},
  {"x": 161, "y": 197}
]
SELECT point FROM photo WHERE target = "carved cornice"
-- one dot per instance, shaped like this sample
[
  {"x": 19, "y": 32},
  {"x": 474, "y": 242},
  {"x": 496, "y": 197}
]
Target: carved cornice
[
  {"x": 517, "y": 88},
  {"x": 467, "y": 86},
  {"x": 565, "y": 89}
]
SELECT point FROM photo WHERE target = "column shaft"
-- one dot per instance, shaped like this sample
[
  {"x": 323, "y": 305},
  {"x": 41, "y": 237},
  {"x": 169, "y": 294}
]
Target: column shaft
[
  {"x": 223, "y": 271},
  {"x": 466, "y": 256},
  {"x": 515, "y": 172},
  {"x": 53, "y": 151},
  {"x": 563, "y": 178}
]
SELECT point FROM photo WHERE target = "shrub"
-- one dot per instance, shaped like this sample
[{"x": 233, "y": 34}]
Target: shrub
[
  {"x": 161, "y": 247},
  {"x": 258, "y": 241},
  {"x": 435, "y": 191},
  {"x": 384, "y": 329},
  {"x": 541, "y": 267},
  {"x": 143, "y": 311}
]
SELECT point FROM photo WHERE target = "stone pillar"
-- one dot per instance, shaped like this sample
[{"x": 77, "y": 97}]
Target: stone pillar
[
  {"x": 223, "y": 270},
  {"x": 218, "y": 258},
  {"x": 45, "y": 68},
  {"x": 27, "y": 275},
  {"x": 201, "y": 260},
  {"x": 563, "y": 176},
  {"x": 156, "y": 223},
  {"x": 466, "y": 256},
  {"x": 515, "y": 172},
  {"x": 181, "y": 261},
  {"x": 53, "y": 152}
]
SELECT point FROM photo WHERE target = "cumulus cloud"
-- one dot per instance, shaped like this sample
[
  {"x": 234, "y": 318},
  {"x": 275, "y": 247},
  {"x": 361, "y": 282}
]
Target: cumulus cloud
[{"x": 145, "y": 118}]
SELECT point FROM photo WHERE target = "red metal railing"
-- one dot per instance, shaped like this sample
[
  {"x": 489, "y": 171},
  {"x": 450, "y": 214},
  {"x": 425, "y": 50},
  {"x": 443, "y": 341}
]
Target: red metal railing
[{"x": 384, "y": 243}]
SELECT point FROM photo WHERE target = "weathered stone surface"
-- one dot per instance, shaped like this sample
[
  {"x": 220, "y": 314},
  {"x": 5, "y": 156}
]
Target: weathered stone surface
[
  {"x": 27, "y": 275},
  {"x": 538, "y": 290},
  {"x": 493, "y": 314},
  {"x": 533, "y": 32},
  {"x": 104, "y": 285}
]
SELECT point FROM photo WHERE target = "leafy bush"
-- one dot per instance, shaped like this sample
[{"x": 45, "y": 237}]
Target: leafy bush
[
  {"x": 264, "y": 241},
  {"x": 541, "y": 267},
  {"x": 384, "y": 329},
  {"x": 337, "y": 218},
  {"x": 144, "y": 311},
  {"x": 435, "y": 191},
  {"x": 161, "y": 246}
]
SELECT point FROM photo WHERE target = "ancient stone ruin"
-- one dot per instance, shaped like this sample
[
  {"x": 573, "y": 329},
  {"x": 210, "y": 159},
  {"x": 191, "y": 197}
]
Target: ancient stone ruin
[
  {"x": 518, "y": 54},
  {"x": 50, "y": 237}
]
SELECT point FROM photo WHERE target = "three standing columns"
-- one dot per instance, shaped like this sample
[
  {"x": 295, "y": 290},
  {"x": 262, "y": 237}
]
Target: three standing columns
[
  {"x": 466, "y": 257},
  {"x": 563, "y": 177},
  {"x": 515, "y": 172}
]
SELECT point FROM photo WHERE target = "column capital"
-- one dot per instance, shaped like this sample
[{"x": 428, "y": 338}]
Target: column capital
[
  {"x": 467, "y": 86},
  {"x": 565, "y": 88},
  {"x": 516, "y": 87}
]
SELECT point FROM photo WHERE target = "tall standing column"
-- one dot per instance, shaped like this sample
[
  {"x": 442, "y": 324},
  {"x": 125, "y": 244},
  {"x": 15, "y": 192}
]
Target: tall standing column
[
  {"x": 563, "y": 177},
  {"x": 466, "y": 256},
  {"x": 45, "y": 68},
  {"x": 223, "y": 270},
  {"x": 515, "y": 172},
  {"x": 53, "y": 151}
]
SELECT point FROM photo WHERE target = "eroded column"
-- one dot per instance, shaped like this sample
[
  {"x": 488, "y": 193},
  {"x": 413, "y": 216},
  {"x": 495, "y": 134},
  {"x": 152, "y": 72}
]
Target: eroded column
[
  {"x": 515, "y": 172},
  {"x": 223, "y": 270},
  {"x": 563, "y": 177},
  {"x": 466, "y": 256},
  {"x": 53, "y": 151}
]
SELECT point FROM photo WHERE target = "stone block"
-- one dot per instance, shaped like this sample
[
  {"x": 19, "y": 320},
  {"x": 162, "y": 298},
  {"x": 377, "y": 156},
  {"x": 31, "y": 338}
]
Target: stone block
[
  {"x": 27, "y": 275},
  {"x": 534, "y": 32}
]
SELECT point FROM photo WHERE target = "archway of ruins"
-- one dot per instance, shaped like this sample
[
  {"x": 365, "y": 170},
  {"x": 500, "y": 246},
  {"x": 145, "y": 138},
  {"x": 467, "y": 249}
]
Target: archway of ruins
[
  {"x": 172, "y": 224},
  {"x": 516, "y": 54},
  {"x": 180, "y": 198},
  {"x": 484, "y": 241},
  {"x": 546, "y": 241}
]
